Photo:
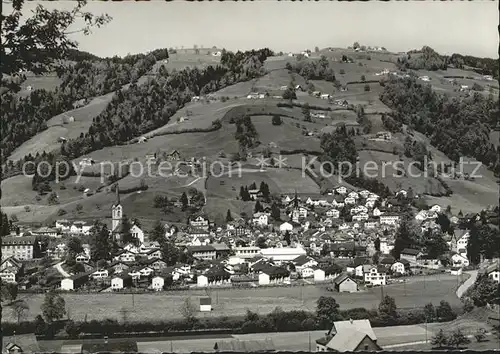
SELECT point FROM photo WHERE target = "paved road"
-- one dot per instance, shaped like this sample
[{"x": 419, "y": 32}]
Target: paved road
[
  {"x": 290, "y": 341},
  {"x": 61, "y": 270},
  {"x": 467, "y": 284}
]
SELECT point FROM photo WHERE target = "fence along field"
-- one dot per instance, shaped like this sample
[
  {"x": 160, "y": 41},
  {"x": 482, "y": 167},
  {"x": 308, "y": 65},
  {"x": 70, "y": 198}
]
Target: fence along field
[{"x": 416, "y": 293}]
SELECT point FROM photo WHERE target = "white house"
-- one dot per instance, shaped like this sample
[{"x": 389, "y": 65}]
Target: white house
[
  {"x": 376, "y": 212},
  {"x": 158, "y": 283},
  {"x": 202, "y": 281},
  {"x": 389, "y": 219},
  {"x": 359, "y": 209},
  {"x": 353, "y": 195},
  {"x": 456, "y": 271},
  {"x": 137, "y": 233},
  {"x": 260, "y": 219},
  {"x": 376, "y": 276},
  {"x": 120, "y": 282},
  {"x": 386, "y": 247},
  {"x": 494, "y": 273},
  {"x": 125, "y": 256},
  {"x": 333, "y": 213},
  {"x": 286, "y": 226},
  {"x": 350, "y": 200},
  {"x": 459, "y": 260},
  {"x": 360, "y": 217},
  {"x": 435, "y": 208},
  {"x": 80, "y": 227},
  {"x": 319, "y": 275},
  {"x": 398, "y": 267},
  {"x": 341, "y": 190},
  {"x": 364, "y": 193}
]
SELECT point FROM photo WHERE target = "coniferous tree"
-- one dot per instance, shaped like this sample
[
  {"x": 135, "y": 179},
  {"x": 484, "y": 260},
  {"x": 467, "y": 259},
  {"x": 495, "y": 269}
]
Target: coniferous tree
[{"x": 229, "y": 217}]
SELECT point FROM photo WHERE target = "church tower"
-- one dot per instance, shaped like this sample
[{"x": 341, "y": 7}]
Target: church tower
[{"x": 116, "y": 211}]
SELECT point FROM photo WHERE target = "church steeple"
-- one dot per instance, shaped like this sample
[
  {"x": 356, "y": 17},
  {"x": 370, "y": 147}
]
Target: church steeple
[
  {"x": 295, "y": 200},
  {"x": 116, "y": 211},
  {"x": 117, "y": 190}
]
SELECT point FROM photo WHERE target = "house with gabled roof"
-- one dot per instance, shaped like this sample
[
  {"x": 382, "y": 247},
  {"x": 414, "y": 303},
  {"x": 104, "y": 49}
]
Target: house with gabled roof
[
  {"x": 344, "y": 283},
  {"x": 20, "y": 343},
  {"x": 350, "y": 336}
]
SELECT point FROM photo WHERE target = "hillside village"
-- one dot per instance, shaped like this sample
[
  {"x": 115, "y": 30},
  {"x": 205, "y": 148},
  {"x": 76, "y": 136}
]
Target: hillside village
[
  {"x": 253, "y": 212},
  {"x": 346, "y": 237}
]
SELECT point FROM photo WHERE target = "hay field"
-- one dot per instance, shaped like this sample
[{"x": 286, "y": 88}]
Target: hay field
[{"x": 235, "y": 302}]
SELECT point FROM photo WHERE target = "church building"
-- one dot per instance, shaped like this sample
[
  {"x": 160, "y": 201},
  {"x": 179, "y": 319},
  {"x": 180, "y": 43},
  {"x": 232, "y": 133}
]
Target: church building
[{"x": 119, "y": 222}]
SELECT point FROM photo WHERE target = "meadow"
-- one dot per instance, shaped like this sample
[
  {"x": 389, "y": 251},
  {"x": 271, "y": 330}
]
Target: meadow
[{"x": 416, "y": 293}]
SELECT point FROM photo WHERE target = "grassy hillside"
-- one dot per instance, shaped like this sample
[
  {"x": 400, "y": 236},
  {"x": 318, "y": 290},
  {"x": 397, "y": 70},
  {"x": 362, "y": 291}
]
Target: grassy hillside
[{"x": 467, "y": 195}]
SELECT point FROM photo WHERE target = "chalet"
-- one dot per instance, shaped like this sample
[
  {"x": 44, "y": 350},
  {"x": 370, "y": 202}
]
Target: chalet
[
  {"x": 458, "y": 260},
  {"x": 360, "y": 217},
  {"x": 286, "y": 226},
  {"x": 350, "y": 336},
  {"x": 344, "y": 283},
  {"x": 325, "y": 96},
  {"x": 375, "y": 276},
  {"x": 80, "y": 228},
  {"x": 200, "y": 222},
  {"x": 121, "y": 281},
  {"x": 82, "y": 258},
  {"x": 341, "y": 190},
  {"x": 350, "y": 200},
  {"x": 389, "y": 219},
  {"x": 173, "y": 156},
  {"x": 125, "y": 256},
  {"x": 494, "y": 272},
  {"x": 20, "y": 343},
  {"x": 400, "y": 267},
  {"x": 74, "y": 282},
  {"x": 119, "y": 267},
  {"x": 333, "y": 213},
  {"x": 9, "y": 275},
  {"x": 383, "y": 135},
  {"x": 100, "y": 274},
  {"x": 154, "y": 254},
  {"x": 260, "y": 219},
  {"x": 160, "y": 282},
  {"x": 411, "y": 255},
  {"x": 303, "y": 262}
]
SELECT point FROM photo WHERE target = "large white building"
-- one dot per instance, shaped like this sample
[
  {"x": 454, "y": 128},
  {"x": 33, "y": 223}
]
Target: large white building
[{"x": 283, "y": 254}]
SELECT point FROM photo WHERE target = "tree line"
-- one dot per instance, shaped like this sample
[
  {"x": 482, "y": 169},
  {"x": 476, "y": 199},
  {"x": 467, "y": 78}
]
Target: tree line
[
  {"x": 457, "y": 127},
  {"x": 142, "y": 108}
]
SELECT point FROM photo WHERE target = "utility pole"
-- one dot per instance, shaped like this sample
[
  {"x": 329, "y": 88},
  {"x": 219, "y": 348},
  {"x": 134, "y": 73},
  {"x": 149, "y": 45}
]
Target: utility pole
[
  {"x": 425, "y": 329},
  {"x": 171, "y": 347},
  {"x": 309, "y": 342},
  {"x": 404, "y": 284}
]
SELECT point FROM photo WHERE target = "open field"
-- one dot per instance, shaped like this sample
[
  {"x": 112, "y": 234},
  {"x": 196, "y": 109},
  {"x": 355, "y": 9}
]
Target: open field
[
  {"x": 286, "y": 136},
  {"x": 417, "y": 292},
  {"x": 44, "y": 82},
  {"x": 17, "y": 190},
  {"x": 188, "y": 58},
  {"x": 47, "y": 140}
]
